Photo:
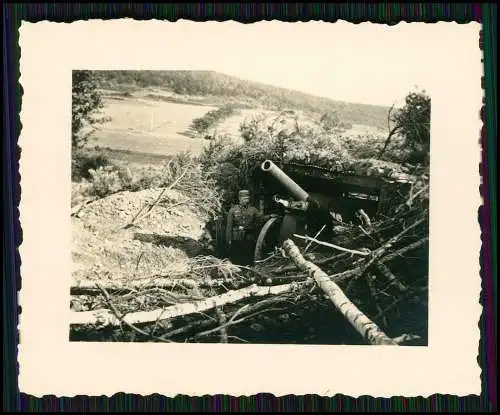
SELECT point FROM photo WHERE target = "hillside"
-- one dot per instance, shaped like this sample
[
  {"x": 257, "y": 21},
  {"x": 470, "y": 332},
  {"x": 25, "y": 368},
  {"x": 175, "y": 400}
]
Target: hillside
[{"x": 213, "y": 88}]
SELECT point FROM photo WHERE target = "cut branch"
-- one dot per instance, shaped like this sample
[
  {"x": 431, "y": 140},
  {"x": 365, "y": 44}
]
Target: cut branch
[
  {"x": 106, "y": 318},
  {"x": 383, "y": 249},
  {"x": 233, "y": 322},
  {"x": 222, "y": 321},
  {"x": 404, "y": 338},
  {"x": 364, "y": 326},
  {"x": 245, "y": 310},
  {"x": 293, "y": 267},
  {"x": 145, "y": 214},
  {"x": 128, "y": 324},
  {"x": 407, "y": 248},
  {"x": 339, "y": 248},
  {"x": 88, "y": 287},
  {"x": 386, "y": 272},
  {"x": 374, "y": 297},
  {"x": 388, "y": 140}
]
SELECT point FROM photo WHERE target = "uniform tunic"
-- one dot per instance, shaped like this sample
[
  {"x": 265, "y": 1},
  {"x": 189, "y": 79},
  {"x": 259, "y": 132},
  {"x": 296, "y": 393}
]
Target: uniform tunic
[{"x": 242, "y": 224}]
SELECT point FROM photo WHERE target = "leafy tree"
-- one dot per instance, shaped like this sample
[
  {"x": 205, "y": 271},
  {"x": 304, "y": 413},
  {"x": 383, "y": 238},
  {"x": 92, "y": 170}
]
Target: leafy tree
[
  {"x": 330, "y": 122},
  {"x": 412, "y": 123},
  {"x": 285, "y": 137},
  {"x": 86, "y": 105},
  {"x": 212, "y": 118}
]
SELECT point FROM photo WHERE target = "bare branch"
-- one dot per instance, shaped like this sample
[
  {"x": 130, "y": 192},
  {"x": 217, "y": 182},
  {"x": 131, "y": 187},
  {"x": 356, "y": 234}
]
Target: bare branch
[
  {"x": 122, "y": 320},
  {"x": 365, "y": 327},
  {"x": 351, "y": 251},
  {"x": 105, "y": 318}
]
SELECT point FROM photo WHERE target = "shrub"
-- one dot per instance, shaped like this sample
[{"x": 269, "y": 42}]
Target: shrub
[
  {"x": 212, "y": 118},
  {"x": 198, "y": 187},
  {"x": 107, "y": 180},
  {"x": 287, "y": 138},
  {"x": 85, "y": 160},
  {"x": 162, "y": 175},
  {"x": 282, "y": 138},
  {"x": 368, "y": 147}
]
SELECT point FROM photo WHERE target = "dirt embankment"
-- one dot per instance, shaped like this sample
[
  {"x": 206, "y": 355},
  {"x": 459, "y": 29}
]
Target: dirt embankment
[{"x": 104, "y": 248}]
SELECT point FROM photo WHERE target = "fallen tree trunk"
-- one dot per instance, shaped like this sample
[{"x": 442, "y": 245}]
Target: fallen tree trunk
[
  {"x": 365, "y": 327},
  {"x": 244, "y": 312},
  {"x": 108, "y": 318},
  {"x": 89, "y": 287}
]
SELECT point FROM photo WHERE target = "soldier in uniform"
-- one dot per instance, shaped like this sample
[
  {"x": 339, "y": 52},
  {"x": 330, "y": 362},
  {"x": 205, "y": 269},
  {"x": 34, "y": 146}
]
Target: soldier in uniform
[{"x": 243, "y": 221}]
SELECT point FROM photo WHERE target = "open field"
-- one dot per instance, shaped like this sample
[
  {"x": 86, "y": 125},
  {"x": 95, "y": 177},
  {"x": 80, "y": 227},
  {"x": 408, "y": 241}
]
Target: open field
[
  {"x": 129, "y": 157},
  {"x": 149, "y": 126},
  {"x": 145, "y": 124}
]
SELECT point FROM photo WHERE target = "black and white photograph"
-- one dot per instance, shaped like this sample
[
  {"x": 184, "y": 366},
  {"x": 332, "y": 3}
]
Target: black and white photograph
[
  {"x": 271, "y": 199},
  {"x": 207, "y": 207}
]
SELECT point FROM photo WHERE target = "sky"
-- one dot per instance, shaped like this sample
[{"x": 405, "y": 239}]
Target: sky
[
  {"x": 359, "y": 63},
  {"x": 367, "y": 63}
]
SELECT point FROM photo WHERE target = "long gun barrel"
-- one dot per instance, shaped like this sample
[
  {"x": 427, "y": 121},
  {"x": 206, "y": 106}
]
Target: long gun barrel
[{"x": 269, "y": 167}]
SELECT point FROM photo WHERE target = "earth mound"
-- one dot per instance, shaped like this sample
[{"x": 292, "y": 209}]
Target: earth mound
[{"x": 132, "y": 235}]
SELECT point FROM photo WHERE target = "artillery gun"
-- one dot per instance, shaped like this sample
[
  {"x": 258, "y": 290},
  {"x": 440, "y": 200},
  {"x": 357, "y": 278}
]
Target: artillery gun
[{"x": 332, "y": 199}]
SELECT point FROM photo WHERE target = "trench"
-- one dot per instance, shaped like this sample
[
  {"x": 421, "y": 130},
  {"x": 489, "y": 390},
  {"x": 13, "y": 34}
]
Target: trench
[{"x": 311, "y": 321}]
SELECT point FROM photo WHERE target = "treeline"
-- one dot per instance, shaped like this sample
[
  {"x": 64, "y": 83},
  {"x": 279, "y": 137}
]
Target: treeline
[
  {"x": 212, "y": 118},
  {"x": 210, "y": 83}
]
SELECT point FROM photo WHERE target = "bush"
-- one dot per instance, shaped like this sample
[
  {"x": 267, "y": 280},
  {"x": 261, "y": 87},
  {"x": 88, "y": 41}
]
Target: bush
[
  {"x": 198, "y": 187},
  {"x": 282, "y": 138},
  {"x": 162, "y": 175},
  {"x": 99, "y": 177},
  {"x": 368, "y": 147},
  {"x": 85, "y": 160},
  {"x": 105, "y": 181},
  {"x": 108, "y": 180},
  {"x": 287, "y": 138},
  {"x": 212, "y": 118}
]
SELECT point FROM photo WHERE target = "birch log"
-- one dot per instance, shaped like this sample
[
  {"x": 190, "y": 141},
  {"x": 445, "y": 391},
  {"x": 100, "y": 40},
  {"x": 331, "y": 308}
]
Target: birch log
[
  {"x": 363, "y": 325},
  {"x": 89, "y": 286},
  {"x": 108, "y": 318}
]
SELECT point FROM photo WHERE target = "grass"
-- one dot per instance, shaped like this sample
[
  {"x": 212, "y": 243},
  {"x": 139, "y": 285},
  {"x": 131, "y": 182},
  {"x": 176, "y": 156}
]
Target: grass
[
  {"x": 147, "y": 126},
  {"x": 134, "y": 157},
  {"x": 145, "y": 130}
]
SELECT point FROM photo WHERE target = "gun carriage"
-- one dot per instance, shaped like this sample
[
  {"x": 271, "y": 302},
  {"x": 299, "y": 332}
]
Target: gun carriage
[{"x": 331, "y": 198}]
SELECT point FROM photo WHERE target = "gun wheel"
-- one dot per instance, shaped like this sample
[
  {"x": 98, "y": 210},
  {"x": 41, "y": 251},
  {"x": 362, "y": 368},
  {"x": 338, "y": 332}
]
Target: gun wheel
[{"x": 267, "y": 238}]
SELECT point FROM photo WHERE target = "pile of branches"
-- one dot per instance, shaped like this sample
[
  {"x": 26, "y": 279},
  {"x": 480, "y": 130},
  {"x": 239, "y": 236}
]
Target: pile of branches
[{"x": 367, "y": 285}]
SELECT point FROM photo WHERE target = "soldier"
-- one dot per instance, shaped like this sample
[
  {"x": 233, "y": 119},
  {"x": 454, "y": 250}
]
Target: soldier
[{"x": 242, "y": 223}]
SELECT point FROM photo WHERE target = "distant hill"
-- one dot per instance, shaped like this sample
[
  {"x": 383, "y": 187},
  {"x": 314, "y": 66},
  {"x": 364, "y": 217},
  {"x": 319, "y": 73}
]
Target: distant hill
[{"x": 218, "y": 88}]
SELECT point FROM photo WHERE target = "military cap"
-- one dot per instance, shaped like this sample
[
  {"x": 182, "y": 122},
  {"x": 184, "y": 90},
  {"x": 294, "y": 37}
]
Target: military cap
[{"x": 244, "y": 193}]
